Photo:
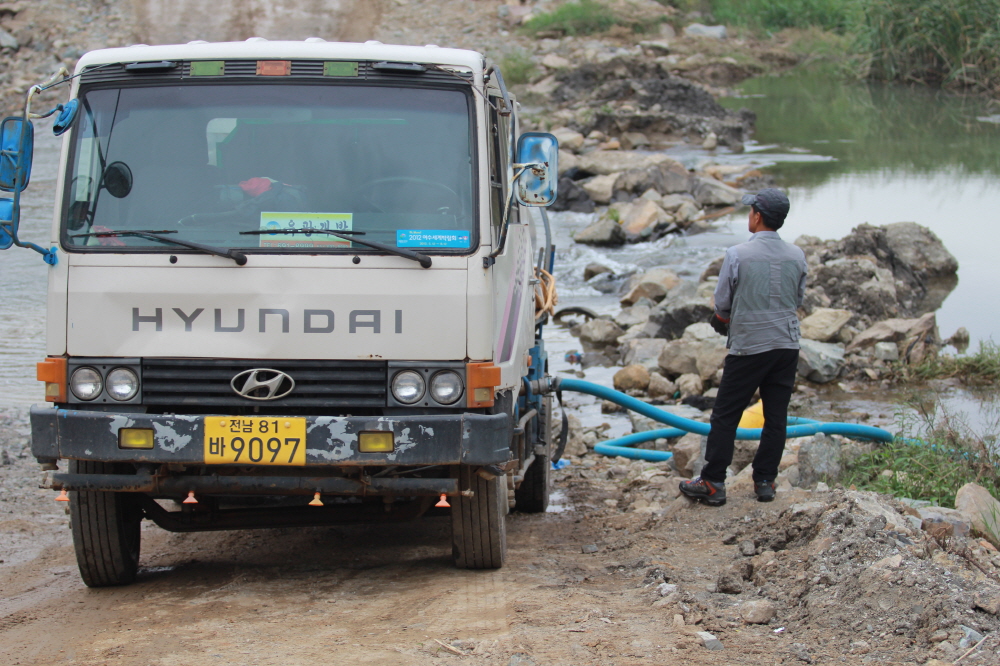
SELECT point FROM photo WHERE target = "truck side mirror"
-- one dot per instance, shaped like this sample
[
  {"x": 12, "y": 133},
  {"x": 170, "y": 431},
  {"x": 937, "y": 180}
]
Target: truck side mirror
[
  {"x": 537, "y": 163},
  {"x": 17, "y": 146}
]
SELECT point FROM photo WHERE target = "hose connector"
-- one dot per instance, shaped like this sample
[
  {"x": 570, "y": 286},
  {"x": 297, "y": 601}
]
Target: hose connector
[{"x": 544, "y": 386}]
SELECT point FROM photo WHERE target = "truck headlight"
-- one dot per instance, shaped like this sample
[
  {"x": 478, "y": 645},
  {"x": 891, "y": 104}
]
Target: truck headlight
[
  {"x": 408, "y": 387},
  {"x": 86, "y": 383},
  {"x": 446, "y": 387},
  {"x": 123, "y": 384}
]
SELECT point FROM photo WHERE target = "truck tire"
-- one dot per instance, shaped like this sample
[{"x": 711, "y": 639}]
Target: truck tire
[
  {"x": 532, "y": 495},
  {"x": 105, "y": 530},
  {"x": 478, "y": 523}
]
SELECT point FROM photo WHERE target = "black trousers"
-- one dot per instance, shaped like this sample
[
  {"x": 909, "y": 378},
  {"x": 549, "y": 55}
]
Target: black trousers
[{"x": 773, "y": 372}]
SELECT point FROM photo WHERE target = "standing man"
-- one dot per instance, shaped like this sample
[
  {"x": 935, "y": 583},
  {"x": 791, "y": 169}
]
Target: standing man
[{"x": 761, "y": 286}]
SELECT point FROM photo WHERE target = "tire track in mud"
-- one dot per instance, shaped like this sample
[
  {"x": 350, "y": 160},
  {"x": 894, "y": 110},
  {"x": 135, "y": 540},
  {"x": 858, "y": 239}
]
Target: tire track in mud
[{"x": 180, "y": 21}]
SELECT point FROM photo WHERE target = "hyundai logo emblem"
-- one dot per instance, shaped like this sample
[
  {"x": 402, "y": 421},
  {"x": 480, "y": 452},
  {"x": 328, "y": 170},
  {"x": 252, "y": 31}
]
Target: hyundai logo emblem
[{"x": 262, "y": 384}]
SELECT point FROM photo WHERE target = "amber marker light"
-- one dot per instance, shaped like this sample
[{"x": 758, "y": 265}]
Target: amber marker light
[
  {"x": 481, "y": 380},
  {"x": 135, "y": 438},
  {"x": 52, "y": 371},
  {"x": 274, "y": 67},
  {"x": 376, "y": 442}
]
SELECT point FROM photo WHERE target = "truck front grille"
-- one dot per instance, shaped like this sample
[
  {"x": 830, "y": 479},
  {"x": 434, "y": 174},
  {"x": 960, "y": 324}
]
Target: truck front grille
[{"x": 318, "y": 384}]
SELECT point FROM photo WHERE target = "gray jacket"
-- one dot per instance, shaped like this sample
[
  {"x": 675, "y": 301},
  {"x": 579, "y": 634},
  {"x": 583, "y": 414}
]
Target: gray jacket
[{"x": 761, "y": 285}]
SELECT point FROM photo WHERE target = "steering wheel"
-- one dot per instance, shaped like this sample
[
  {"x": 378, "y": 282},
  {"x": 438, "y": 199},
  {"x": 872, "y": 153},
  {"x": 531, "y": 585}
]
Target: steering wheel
[{"x": 366, "y": 192}]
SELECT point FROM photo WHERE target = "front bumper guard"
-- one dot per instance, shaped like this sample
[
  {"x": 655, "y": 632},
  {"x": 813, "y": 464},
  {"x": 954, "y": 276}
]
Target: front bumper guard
[{"x": 331, "y": 441}]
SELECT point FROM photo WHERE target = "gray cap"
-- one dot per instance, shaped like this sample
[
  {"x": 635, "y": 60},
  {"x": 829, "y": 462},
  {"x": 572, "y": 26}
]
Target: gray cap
[{"x": 771, "y": 202}]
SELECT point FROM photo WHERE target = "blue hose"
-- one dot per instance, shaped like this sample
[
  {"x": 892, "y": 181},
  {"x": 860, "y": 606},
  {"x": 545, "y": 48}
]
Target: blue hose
[{"x": 798, "y": 427}]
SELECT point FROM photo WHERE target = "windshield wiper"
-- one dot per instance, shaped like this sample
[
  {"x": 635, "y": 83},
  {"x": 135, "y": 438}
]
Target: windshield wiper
[
  {"x": 228, "y": 253},
  {"x": 422, "y": 259}
]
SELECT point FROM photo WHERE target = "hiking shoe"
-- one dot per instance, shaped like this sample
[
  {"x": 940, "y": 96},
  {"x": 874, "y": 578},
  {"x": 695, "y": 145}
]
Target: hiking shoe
[
  {"x": 764, "y": 490},
  {"x": 708, "y": 492}
]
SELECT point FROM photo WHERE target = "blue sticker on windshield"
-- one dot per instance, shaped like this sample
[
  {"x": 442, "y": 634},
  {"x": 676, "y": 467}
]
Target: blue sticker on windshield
[{"x": 432, "y": 238}]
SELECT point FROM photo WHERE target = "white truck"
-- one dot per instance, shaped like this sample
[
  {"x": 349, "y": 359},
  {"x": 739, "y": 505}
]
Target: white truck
[{"x": 290, "y": 284}]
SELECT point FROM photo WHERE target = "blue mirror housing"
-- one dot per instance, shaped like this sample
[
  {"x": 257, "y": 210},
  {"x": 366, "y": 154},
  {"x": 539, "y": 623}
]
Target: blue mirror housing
[
  {"x": 6, "y": 219},
  {"x": 67, "y": 115},
  {"x": 537, "y": 163},
  {"x": 17, "y": 146}
]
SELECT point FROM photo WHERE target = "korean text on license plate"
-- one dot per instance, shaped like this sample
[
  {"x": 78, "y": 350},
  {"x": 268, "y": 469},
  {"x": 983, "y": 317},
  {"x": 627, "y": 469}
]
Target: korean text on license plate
[{"x": 246, "y": 440}]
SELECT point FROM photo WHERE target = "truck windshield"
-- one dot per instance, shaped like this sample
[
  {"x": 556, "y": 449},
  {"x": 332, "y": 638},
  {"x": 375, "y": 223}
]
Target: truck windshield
[{"x": 206, "y": 162}]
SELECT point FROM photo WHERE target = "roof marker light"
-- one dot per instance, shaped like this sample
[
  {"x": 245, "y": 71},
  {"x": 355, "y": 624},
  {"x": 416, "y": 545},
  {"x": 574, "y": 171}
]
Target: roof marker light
[{"x": 274, "y": 67}]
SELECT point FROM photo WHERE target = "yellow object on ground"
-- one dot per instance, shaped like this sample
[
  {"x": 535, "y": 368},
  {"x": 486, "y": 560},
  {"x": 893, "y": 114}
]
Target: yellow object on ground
[{"x": 753, "y": 416}]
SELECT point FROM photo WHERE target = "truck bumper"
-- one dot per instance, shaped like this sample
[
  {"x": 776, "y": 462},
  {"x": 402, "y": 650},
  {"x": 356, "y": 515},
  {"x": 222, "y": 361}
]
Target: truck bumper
[{"x": 331, "y": 441}]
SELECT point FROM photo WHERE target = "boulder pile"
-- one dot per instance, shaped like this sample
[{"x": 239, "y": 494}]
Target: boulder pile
[{"x": 868, "y": 307}]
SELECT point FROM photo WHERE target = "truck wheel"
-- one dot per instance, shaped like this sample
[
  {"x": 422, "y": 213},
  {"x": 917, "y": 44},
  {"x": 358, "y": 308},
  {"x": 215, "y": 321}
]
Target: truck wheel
[
  {"x": 105, "y": 530},
  {"x": 533, "y": 494},
  {"x": 478, "y": 523}
]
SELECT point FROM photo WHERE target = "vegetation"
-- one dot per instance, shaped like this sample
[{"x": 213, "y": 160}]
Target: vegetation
[
  {"x": 980, "y": 368},
  {"x": 583, "y": 17},
  {"x": 940, "y": 456},
  {"x": 518, "y": 67},
  {"x": 951, "y": 43}
]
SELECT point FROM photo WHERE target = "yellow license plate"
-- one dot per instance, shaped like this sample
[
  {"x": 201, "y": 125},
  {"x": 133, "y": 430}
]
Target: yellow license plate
[{"x": 254, "y": 440}]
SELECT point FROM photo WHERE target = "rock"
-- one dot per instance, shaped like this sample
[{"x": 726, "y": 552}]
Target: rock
[
  {"x": 981, "y": 509},
  {"x": 666, "y": 589},
  {"x": 747, "y": 548},
  {"x": 820, "y": 362},
  {"x": 632, "y": 140},
  {"x": 819, "y": 459},
  {"x": 699, "y": 351},
  {"x": 642, "y": 218},
  {"x": 656, "y": 47},
  {"x": 710, "y": 641},
  {"x": 730, "y": 581},
  {"x": 605, "y": 162},
  {"x": 567, "y": 138},
  {"x": 690, "y": 384},
  {"x": 545, "y": 87},
  {"x": 8, "y": 41},
  {"x": 572, "y": 197},
  {"x": 757, "y": 612},
  {"x": 553, "y": 61},
  {"x": 959, "y": 340},
  {"x": 604, "y": 232},
  {"x": 886, "y": 351},
  {"x": 711, "y": 141},
  {"x": 653, "y": 284},
  {"x": 600, "y": 188},
  {"x": 687, "y": 212},
  {"x": 988, "y": 598},
  {"x": 632, "y": 378},
  {"x": 588, "y": 548},
  {"x": 710, "y": 31},
  {"x": 860, "y": 284},
  {"x": 824, "y": 323},
  {"x": 687, "y": 455},
  {"x": 660, "y": 386},
  {"x": 954, "y": 522},
  {"x": 630, "y": 316},
  {"x": 643, "y": 351},
  {"x": 896, "y": 330},
  {"x": 682, "y": 307},
  {"x": 920, "y": 249},
  {"x": 567, "y": 161},
  {"x": 971, "y": 638},
  {"x": 712, "y": 192},
  {"x": 600, "y": 332},
  {"x": 590, "y": 270}
]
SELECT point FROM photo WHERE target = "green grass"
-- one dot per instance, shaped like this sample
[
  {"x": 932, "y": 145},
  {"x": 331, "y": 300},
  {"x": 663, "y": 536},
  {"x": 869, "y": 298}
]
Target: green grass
[
  {"x": 584, "y": 17},
  {"x": 775, "y": 15},
  {"x": 950, "y": 456},
  {"x": 518, "y": 68},
  {"x": 981, "y": 368}
]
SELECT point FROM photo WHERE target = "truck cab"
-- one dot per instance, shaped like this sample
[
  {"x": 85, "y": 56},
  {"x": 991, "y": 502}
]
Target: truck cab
[{"x": 292, "y": 283}]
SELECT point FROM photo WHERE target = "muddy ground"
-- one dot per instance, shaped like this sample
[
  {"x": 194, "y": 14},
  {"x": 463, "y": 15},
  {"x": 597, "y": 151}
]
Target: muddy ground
[{"x": 848, "y": 577}]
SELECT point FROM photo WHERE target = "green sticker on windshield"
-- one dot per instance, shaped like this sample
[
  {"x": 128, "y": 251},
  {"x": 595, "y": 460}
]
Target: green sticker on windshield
[
  {"x": 340, "y": 68},
  {"x": 304, "y": 226},
  {"x": 208, "y": 68}
]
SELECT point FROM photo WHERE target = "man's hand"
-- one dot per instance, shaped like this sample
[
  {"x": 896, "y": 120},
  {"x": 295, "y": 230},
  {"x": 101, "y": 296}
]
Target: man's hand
[{"x": 720, "y": 325}]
